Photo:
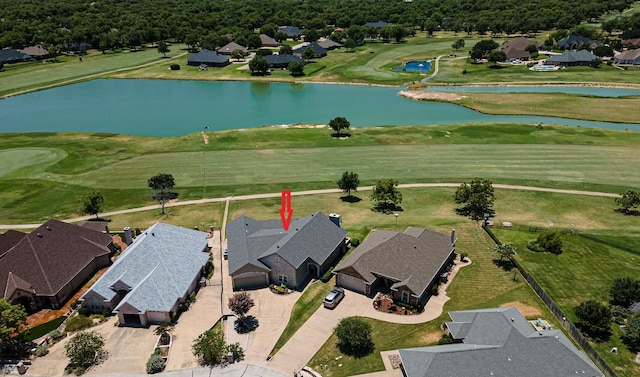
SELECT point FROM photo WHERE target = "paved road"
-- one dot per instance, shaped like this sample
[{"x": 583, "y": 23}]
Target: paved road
[
  {"x": 436, "y": 69},
  {"x": 312, "y": 192}
]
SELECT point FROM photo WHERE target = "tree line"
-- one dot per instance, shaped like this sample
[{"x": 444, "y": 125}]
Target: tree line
[{"x": 116, "y": 24}]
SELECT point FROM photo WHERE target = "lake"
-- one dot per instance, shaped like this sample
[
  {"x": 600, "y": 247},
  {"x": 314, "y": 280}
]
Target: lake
[{"x": 174, "y": 107}]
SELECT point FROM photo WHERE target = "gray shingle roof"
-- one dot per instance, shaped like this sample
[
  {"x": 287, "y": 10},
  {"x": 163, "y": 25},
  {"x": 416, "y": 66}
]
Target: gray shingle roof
[
  {"x": 313, "y": 236},
  {"x": 317, "y": 49},
  {"x": 281, "y": 59},
  {"x": 159, "y": 266},
  {"x": 412, "y": 258},
  {"x": 582, "y": 56},
  {"x": 499, "y": 342},
  {"x": 207, "y": 56}
]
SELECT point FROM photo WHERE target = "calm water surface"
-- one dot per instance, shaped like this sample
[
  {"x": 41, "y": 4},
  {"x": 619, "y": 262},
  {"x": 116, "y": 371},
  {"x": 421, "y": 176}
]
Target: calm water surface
[{"x": 173, "y": 107}]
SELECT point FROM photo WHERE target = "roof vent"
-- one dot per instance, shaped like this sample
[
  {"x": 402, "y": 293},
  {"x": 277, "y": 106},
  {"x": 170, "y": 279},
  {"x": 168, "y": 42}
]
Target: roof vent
[
  {"x": 39, "y": 235},
  {"x": 539, "y": 332},
  {"x": 513, "y": 319},
  {"x": 509, "y": 358},
  {"x": 48, "y": 227},
  {"x": 153, "y": 234}
]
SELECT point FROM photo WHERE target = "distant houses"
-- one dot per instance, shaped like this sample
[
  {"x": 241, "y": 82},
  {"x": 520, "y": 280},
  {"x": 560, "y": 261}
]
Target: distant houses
[
  {"x": 267, "y": 41},
  {"x": 208, "y": 58},
  {"x": 572, "y": 58},
  {"x": 377, "y": 24},
  {"x": 517, "y": 48},
  {"x": 10, "y": 55},
  {"x": 281, "y": 60},
  {"x": 318, "y": 50},
  {"x": 292, "y": 32},
  {"x": 574, "y": 42},
  {"x": 630, "y": 57},
  {"x": 230, "y": 47}
]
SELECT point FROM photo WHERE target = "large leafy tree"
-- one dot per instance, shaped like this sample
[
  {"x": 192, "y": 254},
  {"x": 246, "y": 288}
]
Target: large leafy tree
[
  {"x": 548, "y": 241},
  {"x": 628, "y": 201},
  {"x": 83, "y": 348},
  {"x": 92, "y": 203},
  {"x": 477, "y": 198},
  {"x": 595, "y": 319},
  {"x": 13, "y": 321},
  {"x": 386, "y": 196},
  {"x": 163, "y": 48},
  {"x": 483, "y": 48},
  {"x": 296, "y": 69},
  {"x": 338, "y": 124},
  {"x": 354, "y": 336},
  {"x": 348, "y": 182},
  {"x": 259, "y": 66},
  {"x": 209, "y": 347},
  {"x": 162, "y": 184},
  {"x": 625, "y": 291},
  {"x": 506, "y": 250}
]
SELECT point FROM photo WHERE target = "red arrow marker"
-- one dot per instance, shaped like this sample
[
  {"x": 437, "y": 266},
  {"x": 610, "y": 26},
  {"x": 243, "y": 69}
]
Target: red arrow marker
[{"x": 286, "y": 212}]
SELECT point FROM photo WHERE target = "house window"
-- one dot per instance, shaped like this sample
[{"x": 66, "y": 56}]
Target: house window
[
  {"x": 405, "y": 296},
  {"x": 282, "y": 279}
]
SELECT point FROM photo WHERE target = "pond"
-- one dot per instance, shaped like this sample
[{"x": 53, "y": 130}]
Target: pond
[
  {"x": 415, "y": 66},
  {"x": 174, "y": 107}
]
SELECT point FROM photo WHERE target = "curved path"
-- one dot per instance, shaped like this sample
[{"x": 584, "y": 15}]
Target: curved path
[
  {"x": 436, "y": 69},
  {"x": 313, "y": 192}
]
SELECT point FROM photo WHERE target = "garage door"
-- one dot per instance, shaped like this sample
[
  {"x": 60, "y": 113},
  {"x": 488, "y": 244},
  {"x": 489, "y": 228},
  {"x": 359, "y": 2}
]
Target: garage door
[
  {"x": 246, "y": 281},
  {"x": 350, "y": 282},
  {"x": 132, "y": 320}
]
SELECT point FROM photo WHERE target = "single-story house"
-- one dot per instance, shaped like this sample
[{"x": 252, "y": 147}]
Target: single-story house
[
  {"x": 11, "y": 55},
  {"x": 573, "y": 42},
  {"x": 628, "y": 57},
  {"x": 208, "y": 58},
  {"x": 571, "y": 58},
  {"x": 262, "y": 252},
  {"x": 498, "y": 342},
  {"x": 36, "y": 51},
  {"x": 267, "y": 41},
  {"x": 230, "y": 47},
  {"x": 328, "y": 44},
  {"x": 406, "y": 264},
  {"x": 281, "y": 60},
  {"x": 516, "y": 49},
  {"x": 44, "y": 268},
  {"x": 292, "y": 31},
  {"x": 631, "y": 43},
  {"x": 317, "y": 50},
  {"x": 377, "y": 25},
  {"x": 152, "y": 277}
]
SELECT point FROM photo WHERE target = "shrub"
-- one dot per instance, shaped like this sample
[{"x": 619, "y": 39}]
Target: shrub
[
  {"x": 264, "y": 52},
  {"x": 548, "y": 241},
  {"x": 354, "y": 337},
  {"x": 237, "y": 351},
  {"x": 84, "y": 311},
  {"x": 355, "y": 242},
  {"x": 175, "y": 67},
  {"x": 75, "y": 304},
  {"x": 463, "y": 256},
  {"x": 155, "y": 363},
  {"x": 327, "y": 275},
  {"x": 55, "y": 335},
  {"x": 42, "y": 350},
  {"x": 446, "y": 339},
  {"x": 78, "y": 322},
  {"x": 464, "y": 71}
]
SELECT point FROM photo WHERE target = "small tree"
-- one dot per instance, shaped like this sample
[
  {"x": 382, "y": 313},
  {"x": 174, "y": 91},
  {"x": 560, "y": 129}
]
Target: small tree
[
  {"x": 632, "y": 332},
  {"x": 13, "y": 321},
  {"x": 354, "y": 336},
  {"x": 497, "y": 56},
  {"x": 285, "y": 50},
  {"x": 458, "y": 44},
  {"x": 92, "y": 203},
  {"x": 259, "y": 66},
  {"x": 240, "y": 304},
  {"x": 308, "y": 53},
  {"x": 338, "y": 124},
  {"x": 386, "y": 196},
  {"x": 237, "y": 54},
  {"x": 296, "y": 69},
  {"x": 628, "y": 201},
  {"x": 155, "y": 364},
  {"x": 477, "y": 198},
  {"x": 163, "y": 48},
  {"x": 548, "y": 241},
  {"x": 162, "y": 184},
  {"x": 595, "y": 319},
  {"x": 348, "y": 182},
  {"x": 505, "y": 250},
  {"x": 83, "y": 348},
  {"x": 350, "y": 45},
  {"x": 625, "y": 291},
  {"x": 209, "y": 348}
]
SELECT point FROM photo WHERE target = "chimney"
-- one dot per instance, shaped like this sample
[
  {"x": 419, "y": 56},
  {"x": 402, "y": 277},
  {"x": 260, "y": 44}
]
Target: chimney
[
  {"x": 127, "y": 235},
  {"x": 336, "y": 219}
]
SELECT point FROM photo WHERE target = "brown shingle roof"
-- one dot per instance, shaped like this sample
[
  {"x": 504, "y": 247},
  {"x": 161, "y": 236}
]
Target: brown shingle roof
[
  {"x": 412, "y": 258},
  {"x": 50, "y": 256}
]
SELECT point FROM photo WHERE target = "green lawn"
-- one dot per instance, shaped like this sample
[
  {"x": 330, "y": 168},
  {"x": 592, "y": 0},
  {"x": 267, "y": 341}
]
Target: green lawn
[
  {"x": 303, "y": 309},
  {"x": 33, "y": 177},
  {"x": 584, "y": 271}
]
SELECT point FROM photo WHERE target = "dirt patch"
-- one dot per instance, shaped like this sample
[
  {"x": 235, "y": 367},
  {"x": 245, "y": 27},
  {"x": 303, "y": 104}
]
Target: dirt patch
[
  {"x": 429, "y": 96},
  {"x": 526, "y": 310},
  {"x": 431, "y": 338}
]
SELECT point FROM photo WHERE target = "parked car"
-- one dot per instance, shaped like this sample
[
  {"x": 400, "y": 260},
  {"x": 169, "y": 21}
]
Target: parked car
[{"x": 333, "y": 298}]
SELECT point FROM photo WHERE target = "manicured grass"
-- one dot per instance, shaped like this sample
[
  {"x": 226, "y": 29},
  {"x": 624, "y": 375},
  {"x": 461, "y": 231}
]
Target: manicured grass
[
  {"x": 45, "y": 328},
  {"x": 46, "y": 182},
  {"x": 304, "y": 308},
  {"x": 71, "y": 68},
  {"x": 584, "y": 271}
]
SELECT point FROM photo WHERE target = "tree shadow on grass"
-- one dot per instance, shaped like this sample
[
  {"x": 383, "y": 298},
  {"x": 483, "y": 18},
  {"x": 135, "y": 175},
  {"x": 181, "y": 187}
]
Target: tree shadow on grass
[
  {"x": 341, "y": 135},
  {"x": 246, "y": 324},
  {"x": 387, "y": 208},
  {"x": 506, "y": 265},
  {"x": 350, "y": 199},
  {"x": 630, "y": 212}
]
